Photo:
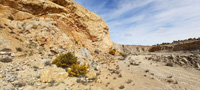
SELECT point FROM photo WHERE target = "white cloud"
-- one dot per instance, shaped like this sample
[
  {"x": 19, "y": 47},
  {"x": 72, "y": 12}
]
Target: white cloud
[
  {"x": 149, "y": 22},
  {"x": 121, "y": 22},
  {"x": 124, "y": 6}
]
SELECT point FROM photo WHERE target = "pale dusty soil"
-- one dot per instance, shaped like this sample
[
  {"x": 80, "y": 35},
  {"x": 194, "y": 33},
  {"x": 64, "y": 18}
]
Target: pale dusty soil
[
  {"x": 156, "y": 79},
  {"x": 148, "y": 75}
]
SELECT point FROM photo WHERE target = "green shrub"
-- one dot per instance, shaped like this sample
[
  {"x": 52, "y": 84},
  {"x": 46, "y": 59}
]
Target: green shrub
[
  {"x": 69, "y": 60},
  {"x": 65, "y": 60},
  {"x": 120, "y": 53},
  {"x": 77, "y": 70},
  {"x": 112, "y": 51}
]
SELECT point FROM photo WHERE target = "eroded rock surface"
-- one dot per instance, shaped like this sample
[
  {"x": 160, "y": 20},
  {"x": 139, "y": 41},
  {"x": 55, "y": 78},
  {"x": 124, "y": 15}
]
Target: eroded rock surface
[
  {"x": 35, "y": 17},
  {"x": 54, "y": 74}
]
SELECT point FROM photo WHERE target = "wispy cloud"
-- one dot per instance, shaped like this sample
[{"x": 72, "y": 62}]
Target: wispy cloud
[{"x": 148, "y": 22}]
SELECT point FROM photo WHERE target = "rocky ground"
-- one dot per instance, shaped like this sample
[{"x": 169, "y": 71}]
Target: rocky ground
[{"x": 144, "y": 71}]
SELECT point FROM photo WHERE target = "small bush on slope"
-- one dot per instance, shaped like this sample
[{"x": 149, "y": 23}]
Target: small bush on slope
[
  {"x": 112, "y": 51},
  {"x": 77, "y": 70},
  {"x": 65, "y": 60},
  {"x": 69, "y": 60}
]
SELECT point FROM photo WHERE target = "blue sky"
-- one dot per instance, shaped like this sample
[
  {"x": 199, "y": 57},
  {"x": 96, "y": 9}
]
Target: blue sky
[{"x": 148, "y": 22}]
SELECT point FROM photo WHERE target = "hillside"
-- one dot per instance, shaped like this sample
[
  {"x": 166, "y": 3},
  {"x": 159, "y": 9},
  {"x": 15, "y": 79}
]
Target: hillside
[
  {"x": 33, "y": 32},
  {"x": 184, "y": 45},
  {"x": 60, "y": 45}
]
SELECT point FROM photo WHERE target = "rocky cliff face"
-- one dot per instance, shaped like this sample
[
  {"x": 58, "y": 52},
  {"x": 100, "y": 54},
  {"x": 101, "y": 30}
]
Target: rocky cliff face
[
  {"x": 34, "y": 32},
  {"x": 131, "y": 49},
  {"x": 186, "y": 45},
  {"x": 55, "y": 25}
]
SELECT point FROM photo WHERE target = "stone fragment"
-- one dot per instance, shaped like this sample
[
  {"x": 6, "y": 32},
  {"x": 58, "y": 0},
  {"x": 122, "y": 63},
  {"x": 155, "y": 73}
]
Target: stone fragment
[
  {"x": 169, "y": 64},
  {"x": 134, "y": 63},
  {"x": 97, "y": 51},
  {"x": 129, "y": 81},
  {"x": 56, "y": 74},
  {"x": 4, "y": 83},
  {"x": 95, "y": 66},
  {"x": 122, "y": 87},
  {"x": 170, "y": 81},
  {"x": 169, "y": 76},
  {"x": 185, "y": 60},
  {"x": 6, "y": 50},
  {"x": 6, "y": 60},
  {"x": 18, "y": 84},
  {"x": 85, "y": 52},
  {"x": 11, "y": 77},
  {"x": 197, "y": 65},
  {"x": 91, "y": 75}
]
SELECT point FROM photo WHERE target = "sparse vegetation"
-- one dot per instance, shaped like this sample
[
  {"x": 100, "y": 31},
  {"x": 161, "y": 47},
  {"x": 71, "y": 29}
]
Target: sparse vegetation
[
  {"x": 65, "y": 60},
  {"x": 70, "y": 61},
  {"x": 115, "y": 52},
  {"x": 47, "y": 63},
  {"x": 165, "y": 43},
  {"x": 120, "y": 53},
  {"x": 178, "y": 41},
  {"x": 112, "y": 51},
  {"x": 77, "y": 70}
]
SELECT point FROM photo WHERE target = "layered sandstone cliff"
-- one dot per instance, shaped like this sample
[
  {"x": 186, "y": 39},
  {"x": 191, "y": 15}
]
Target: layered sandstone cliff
[
  {"x": 54, "y": 25},
  {"x": 181, "y": 45},
  {"x": 184, "y": 45},
  {"x": 35, "y": 32}
]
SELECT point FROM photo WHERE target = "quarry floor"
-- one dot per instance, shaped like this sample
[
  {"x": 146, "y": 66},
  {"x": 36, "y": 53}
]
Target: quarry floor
[
  {"x": 135, "y": 72},
  {"x": 141, "y": 74}
]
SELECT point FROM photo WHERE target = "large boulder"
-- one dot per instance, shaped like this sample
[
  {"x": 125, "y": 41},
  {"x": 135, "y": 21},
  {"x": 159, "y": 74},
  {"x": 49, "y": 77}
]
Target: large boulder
[
  {"x": 91, "y": 75},
  {"x": 55, "y": 74}
]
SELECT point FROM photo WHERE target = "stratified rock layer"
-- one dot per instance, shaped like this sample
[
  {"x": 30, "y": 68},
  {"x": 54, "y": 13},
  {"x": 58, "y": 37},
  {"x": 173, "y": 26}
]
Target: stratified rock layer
[{"x": 82, "y": 26}]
